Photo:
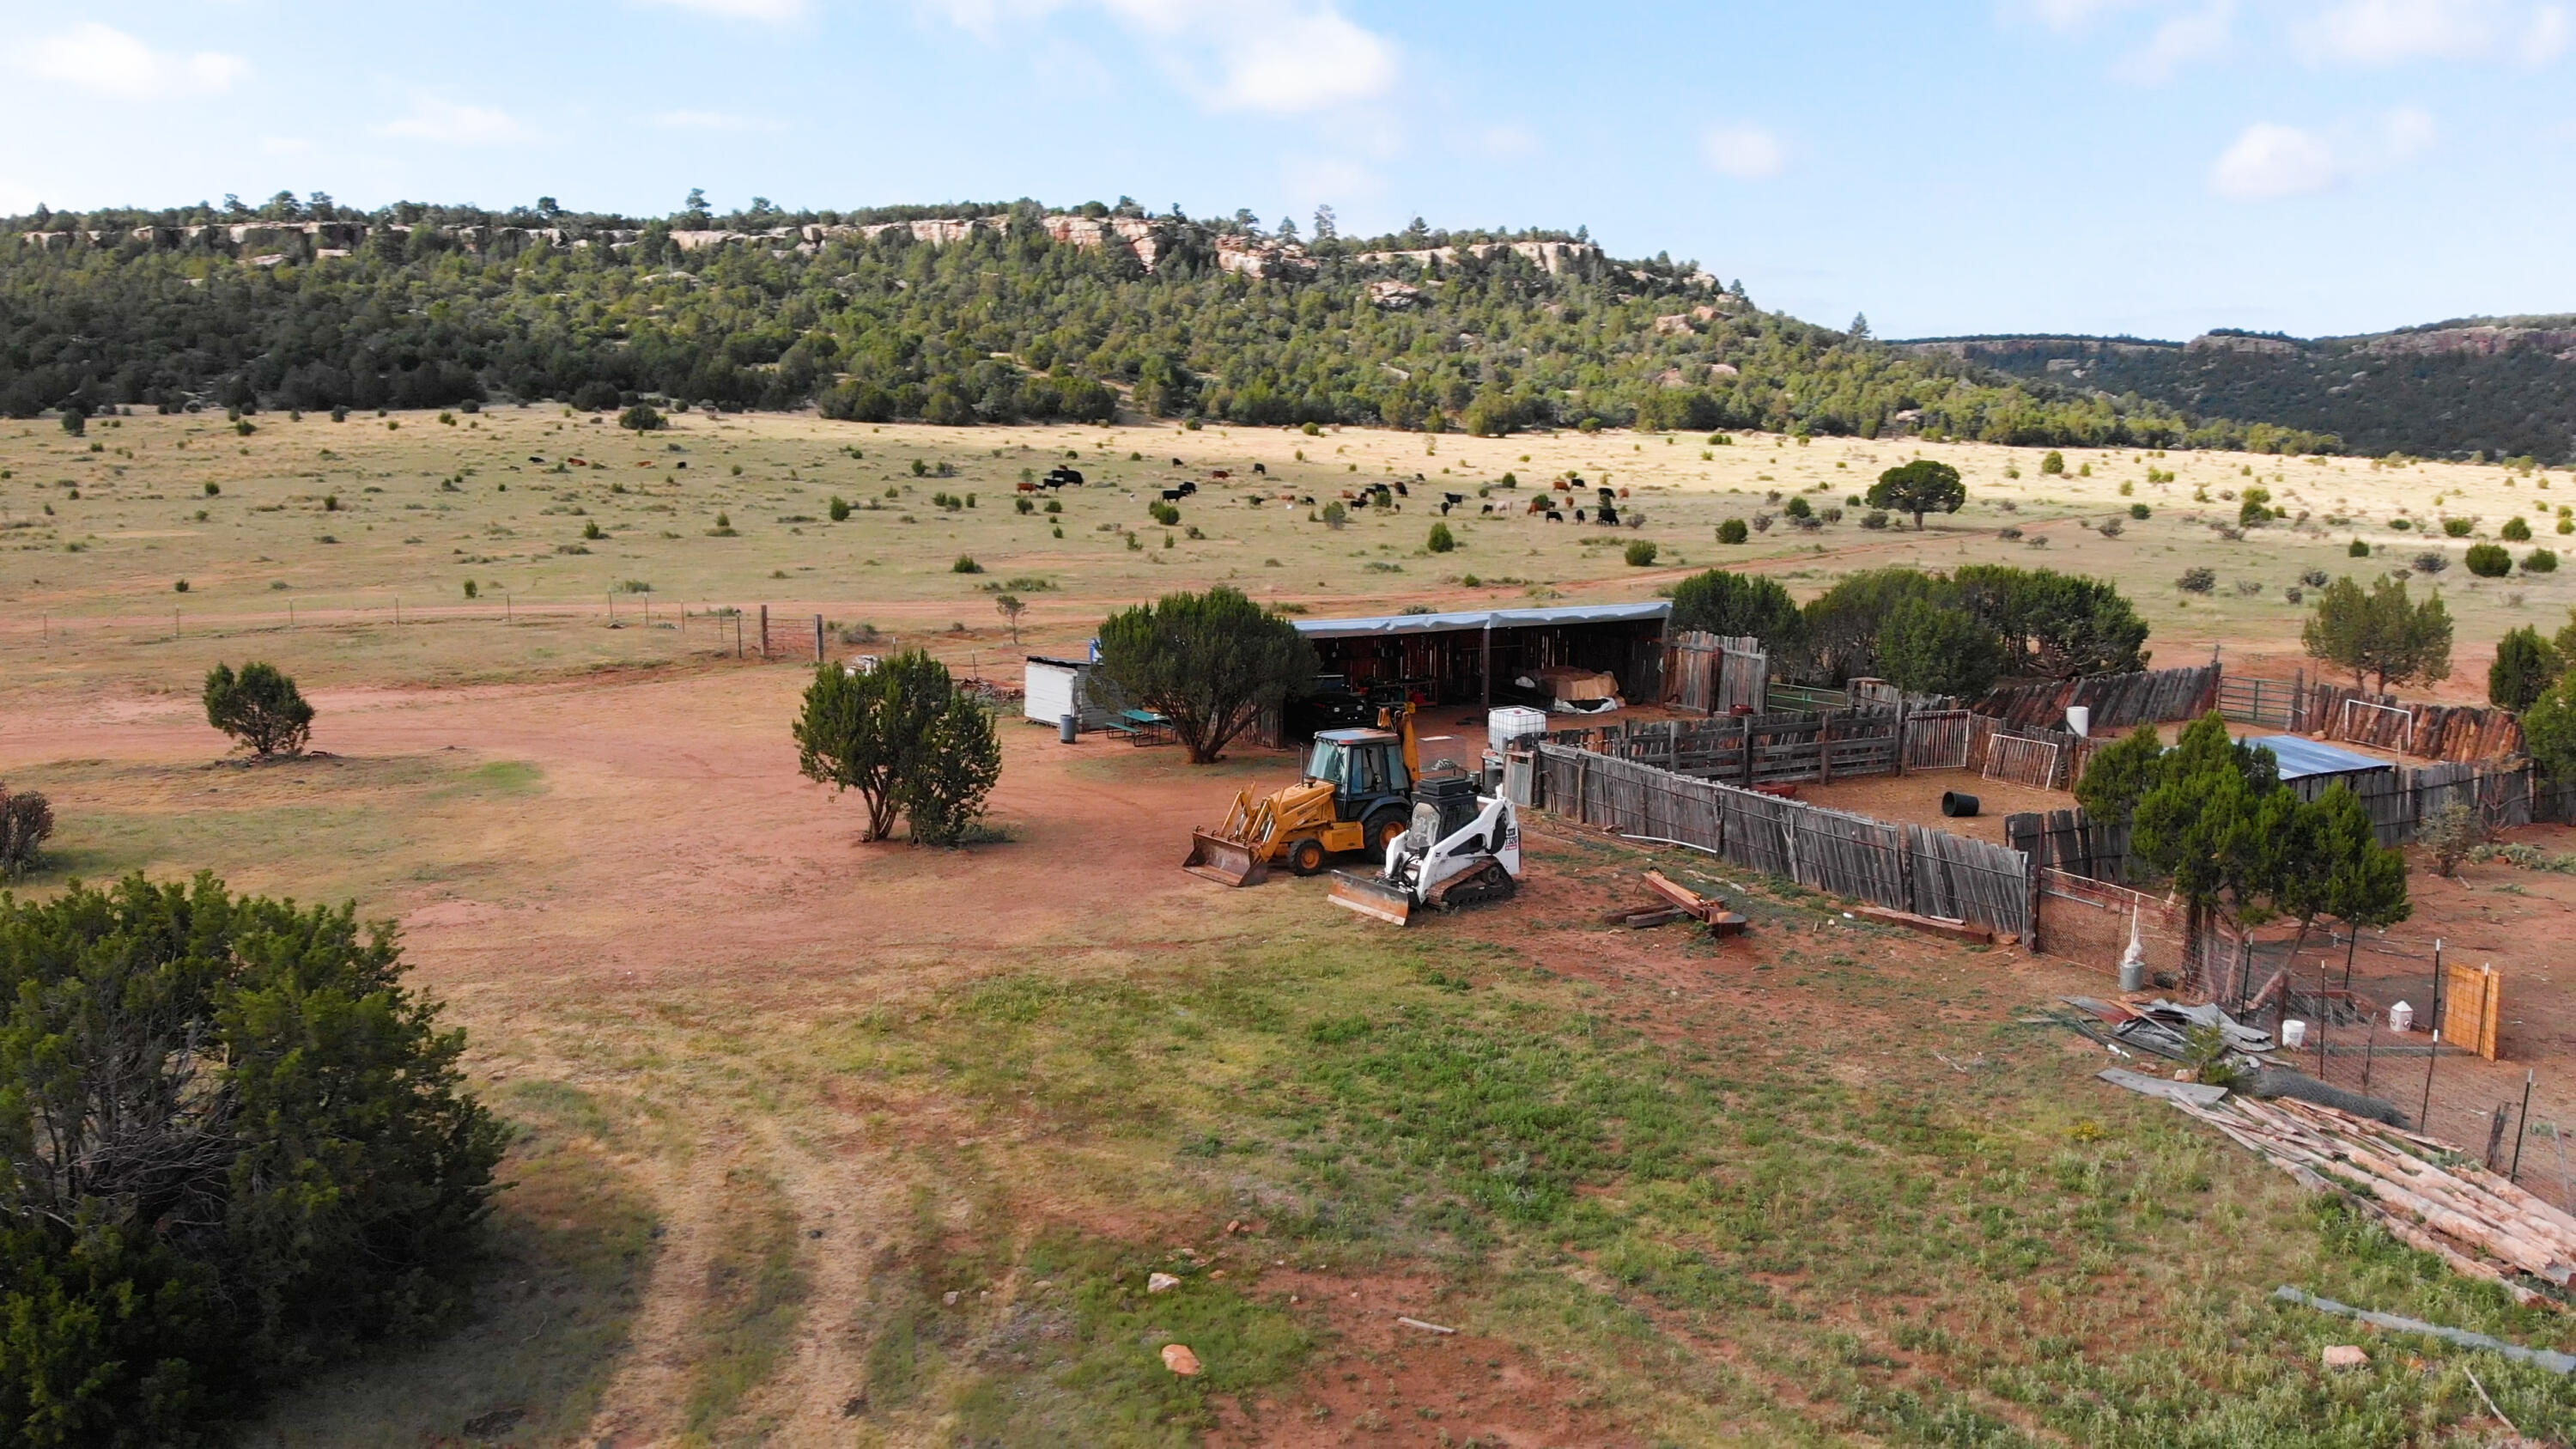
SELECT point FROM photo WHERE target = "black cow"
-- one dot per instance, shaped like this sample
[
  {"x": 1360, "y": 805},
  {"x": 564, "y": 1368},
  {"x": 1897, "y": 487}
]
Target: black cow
[
  {"x": 1177, "y": 463},
  {"x": 533, "y": 458},
  {"x": 1445, "y": 506},
  {"x": 1578, "y": 515},
  {"x": 1555, "y": 517},
  {"x": 1186, "y": 489},
  {"x": 1488, "y": 508},
  {"x": 1401, "y": 489},
  {"x": 1171, "y": 495},
  {"x": 1605, "y": 515},
  {"x": 1455, "y": 497},
  {"x": 1263, "y": 471}
]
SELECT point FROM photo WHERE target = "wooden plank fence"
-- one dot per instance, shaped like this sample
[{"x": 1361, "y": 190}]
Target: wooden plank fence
[
  {"x": 2116, "y": 701},
  {"x": 1715, "y": 673},
  {"x": 2427, "y": 731},
  {"x": 1938, "y": 739},
  {"x": 1903, "y": 867},
  {"x": 2277, "y": 704}
]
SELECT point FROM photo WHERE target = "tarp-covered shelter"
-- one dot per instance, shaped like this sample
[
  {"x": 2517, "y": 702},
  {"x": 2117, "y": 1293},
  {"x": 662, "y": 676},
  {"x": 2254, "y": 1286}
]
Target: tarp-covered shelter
[{"x": 1474, "y": 656}]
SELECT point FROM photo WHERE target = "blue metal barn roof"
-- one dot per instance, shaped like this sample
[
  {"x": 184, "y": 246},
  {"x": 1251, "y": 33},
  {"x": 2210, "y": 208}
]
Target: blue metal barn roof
[{"x": 2301, "y": 757}]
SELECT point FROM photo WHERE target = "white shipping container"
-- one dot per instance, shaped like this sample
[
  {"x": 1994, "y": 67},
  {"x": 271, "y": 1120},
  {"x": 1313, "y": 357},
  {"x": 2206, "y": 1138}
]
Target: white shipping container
[{"x": 1511, "y": 722}]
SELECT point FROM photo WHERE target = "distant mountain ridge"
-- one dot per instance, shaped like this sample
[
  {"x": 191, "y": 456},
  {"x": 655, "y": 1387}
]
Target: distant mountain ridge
[{"x": 2499, "y": 386}]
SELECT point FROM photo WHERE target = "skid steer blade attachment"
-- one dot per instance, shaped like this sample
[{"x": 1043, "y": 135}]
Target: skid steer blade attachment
[
  {"x": 1227, "y": 862},
  {"x": 1372, "y": 897}
]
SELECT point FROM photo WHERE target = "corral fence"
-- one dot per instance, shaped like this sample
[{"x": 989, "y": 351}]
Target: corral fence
[
  {"x": 2274, "y": 703},
  {"x": 2114, "y": 701},
  {"x": 1903, "y": 867},
  {"x": 2399, "y": 800},
  {"x": 1716, "y": 673},
  {"x": 2426, "y": 731}
]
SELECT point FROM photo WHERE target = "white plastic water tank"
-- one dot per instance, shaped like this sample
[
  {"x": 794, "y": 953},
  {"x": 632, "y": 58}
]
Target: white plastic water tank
[
  {"x": 2401, "y": 1017},
  {"x": 2079, "y": 720},
  {"x": 1511, "y": 722}
]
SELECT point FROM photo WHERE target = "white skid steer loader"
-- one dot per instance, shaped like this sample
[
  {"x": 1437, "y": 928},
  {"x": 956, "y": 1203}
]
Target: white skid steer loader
[{"x": 1461, "y": 849}]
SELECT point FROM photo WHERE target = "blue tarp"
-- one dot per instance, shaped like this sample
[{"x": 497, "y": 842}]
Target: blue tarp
[
  {"x": 1484, "y": 619},
  {"x": 2301, "y": 758}
]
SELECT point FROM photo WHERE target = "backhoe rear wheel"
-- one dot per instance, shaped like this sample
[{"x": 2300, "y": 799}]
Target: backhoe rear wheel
[
  {"x": 1305, "y": 857},
  {"x": 1384, "y": 828}
]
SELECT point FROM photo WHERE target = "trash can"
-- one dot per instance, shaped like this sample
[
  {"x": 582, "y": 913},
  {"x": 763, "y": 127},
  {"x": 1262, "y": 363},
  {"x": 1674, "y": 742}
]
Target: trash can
[
  {"x": 1066, "y": 729},
  {"x": 1958, "y": 806}
]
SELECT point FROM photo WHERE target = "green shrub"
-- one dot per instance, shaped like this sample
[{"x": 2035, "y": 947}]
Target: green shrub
[
  {"x": 2488, "y": 560},
  {"x": 965, "y": 565},
  {"x": 2515, "y": 530},
  {"x": 259, "y": 707},
  {"x": 2197, "y": 580},
  {"x": 840, "y": 509},
  {"x": 1734, "y": 531},
  {"x": 2138, "y": 511},
  {"x": 1875, "y": 518},
  {"x": 2055, "y": 462},
  {"x": 1024, "y": 504},
  {"x": 26, "y": 820},
  {"x": 642, "y": 418},
  {"x": 1163, "y": 513},
  {"x": 1055, "y": 505},
  {"x": 1441, "y": 540},
  {"x": 591, "y": 530},
  {"x": 2457, "y": 527},
  {"x": 2356, "y": 549},
  {"x": 2540, "y": 561},
  {"x": 259, "y": 1156},
  {"x": 1640, "y": 552},
  {"x": 1798, "y": 508}
]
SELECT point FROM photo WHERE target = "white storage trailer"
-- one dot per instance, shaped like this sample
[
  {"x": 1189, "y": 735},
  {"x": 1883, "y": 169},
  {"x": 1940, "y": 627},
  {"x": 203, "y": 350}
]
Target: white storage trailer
[{"x": 1054, "y": 688}]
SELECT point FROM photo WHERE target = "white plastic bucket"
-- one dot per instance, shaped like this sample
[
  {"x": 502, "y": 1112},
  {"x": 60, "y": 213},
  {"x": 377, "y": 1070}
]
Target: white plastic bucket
[
  {"x": 2079, "y": 720},
  {"x": 2294, "y": 1034},
  {"x": 2401, "y": 1017}
]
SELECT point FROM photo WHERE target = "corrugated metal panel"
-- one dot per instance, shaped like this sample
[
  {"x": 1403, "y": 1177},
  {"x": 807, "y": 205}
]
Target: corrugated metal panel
[
  {"x": 2301, "y": 758},
  {"x": 1474, "y": 619}
]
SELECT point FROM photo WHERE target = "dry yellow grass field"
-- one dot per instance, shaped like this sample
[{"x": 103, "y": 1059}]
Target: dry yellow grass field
[{"x": 354, "y": 520}]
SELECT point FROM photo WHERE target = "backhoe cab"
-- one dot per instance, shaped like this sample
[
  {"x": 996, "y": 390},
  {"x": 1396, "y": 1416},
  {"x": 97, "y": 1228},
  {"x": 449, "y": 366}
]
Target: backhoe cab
[{"x": 1356, "y": 794}]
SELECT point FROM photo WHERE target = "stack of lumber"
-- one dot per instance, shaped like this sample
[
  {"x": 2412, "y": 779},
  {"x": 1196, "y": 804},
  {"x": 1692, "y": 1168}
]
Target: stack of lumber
[
  {"x": 1679, "y": 897},
  {"x": 2474, "y": 1220}
]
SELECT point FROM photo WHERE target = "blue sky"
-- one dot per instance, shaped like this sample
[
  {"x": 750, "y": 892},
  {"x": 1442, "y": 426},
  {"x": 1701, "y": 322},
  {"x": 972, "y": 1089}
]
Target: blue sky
[{"x": 2149, "y": 166}]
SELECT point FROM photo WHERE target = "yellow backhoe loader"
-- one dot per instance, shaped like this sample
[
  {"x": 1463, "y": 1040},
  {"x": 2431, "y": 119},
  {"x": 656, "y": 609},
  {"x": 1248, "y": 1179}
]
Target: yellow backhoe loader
[{"x": 1356, "y": 794}]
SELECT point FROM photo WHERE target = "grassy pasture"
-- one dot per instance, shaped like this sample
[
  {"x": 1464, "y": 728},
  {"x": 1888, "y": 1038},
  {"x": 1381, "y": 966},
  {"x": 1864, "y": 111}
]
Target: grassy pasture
[
  {"x": 362, "y": 519},
  {"x": 833, "y": 1144}
]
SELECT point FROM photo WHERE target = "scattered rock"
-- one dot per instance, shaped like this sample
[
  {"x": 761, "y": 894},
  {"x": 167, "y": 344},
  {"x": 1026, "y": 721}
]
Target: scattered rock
[
  {"x": 949, "y": 1297},
  {"x": 1161, "y": 1282},
  {"x": 494, "y": 1424},
  {"x": 1234, "y": 1226},
  {"x": 2344, "y": 1356},
  {"x": 855, "y": 1406},
  {"x": 1178, "y": 1358}
]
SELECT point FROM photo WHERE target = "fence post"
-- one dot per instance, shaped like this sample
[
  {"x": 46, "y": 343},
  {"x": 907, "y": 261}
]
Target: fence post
[
  {"x": 1824, "y": 747},
  {"x": 1902, "y": 744},
  {"x": 1748, "y": 748},
  {"x": 818, "y": 638},
  {"x": 764, "y": 631}
]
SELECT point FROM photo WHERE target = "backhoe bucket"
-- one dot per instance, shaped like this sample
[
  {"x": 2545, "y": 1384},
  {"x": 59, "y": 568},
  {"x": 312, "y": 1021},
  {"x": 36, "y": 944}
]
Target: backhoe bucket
[
  {"x": 1227, "y": 862},
  {"x": 1372, "y": 897}
]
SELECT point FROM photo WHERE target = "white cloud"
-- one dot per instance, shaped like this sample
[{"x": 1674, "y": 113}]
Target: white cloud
[
  {"x": 2406, "y": 133},
  {"x": 2272, "y": 161},
  {"x": 771, "y": 11},
  {"x": 2067, "y": 15},
  {"x": 1507, "y": 142},
  {"x": 1299, "y": 61},
  {"x": 1285, "y": 57},
  {"x": 452, "y": 123},
  {"x": 2391, "y": 32},
  {"x": 1747, "y": 153},
  {"x": 711, "y": 121},
  {"x": 2200, "y": 35},
  {"x": 99, "y": 58}
]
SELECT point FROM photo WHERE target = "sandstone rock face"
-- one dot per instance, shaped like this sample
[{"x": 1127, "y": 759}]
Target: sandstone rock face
[
  {"x": 1393, "y": 295},
  {"x": 1552, "y": 257},
  {"x": 2269, "y": 346}
]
